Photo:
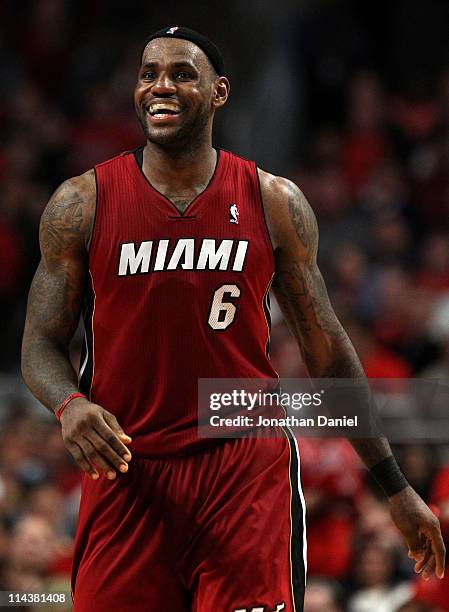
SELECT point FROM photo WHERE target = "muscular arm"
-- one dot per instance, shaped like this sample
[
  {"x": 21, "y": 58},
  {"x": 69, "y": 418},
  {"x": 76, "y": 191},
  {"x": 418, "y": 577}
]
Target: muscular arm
[
  {"x": 328, "y": 352},
  {"x": 302, "y": 296},
  {"x": 90, "y": 433},
  {"x": 54, "y": 302}
]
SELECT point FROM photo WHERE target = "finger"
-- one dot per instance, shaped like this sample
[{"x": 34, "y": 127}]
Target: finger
[
  {"x": 94, "y": 456},
  {"x": 111, "y": 420},
  {"x": 125, "y": 437},
  {"x": 416, "y": 552},
  {"x": 112, "y": 423},
  {"x": 81, "y": 460},
  {"x": 108, "y": 434},
  {"x": 415, "y": 543},
  {"x": 421, "y": 564},
  {"x": 428, "y": 552},
  {"x": 438, "y": 548},
  {"x": 429, "y": 568},
  {"x": 107, "y": 451}
]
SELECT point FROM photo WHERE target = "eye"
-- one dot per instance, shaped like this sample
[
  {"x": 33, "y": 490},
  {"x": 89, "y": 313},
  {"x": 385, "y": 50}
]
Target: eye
[
  {"x": 184, "y": 76},
  {"x": 148, "y": 75}
]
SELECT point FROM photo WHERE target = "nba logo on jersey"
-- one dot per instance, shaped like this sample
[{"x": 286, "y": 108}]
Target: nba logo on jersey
[
  {"x": 172, "y": 30},
  {"x": 234, "y": 212}
]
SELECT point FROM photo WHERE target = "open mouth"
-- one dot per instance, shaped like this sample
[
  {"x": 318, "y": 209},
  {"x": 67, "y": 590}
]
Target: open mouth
[{"x": 160, "y": 110}]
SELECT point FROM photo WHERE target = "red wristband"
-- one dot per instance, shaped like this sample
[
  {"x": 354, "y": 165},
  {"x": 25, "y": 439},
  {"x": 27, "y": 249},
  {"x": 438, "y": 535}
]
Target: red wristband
[{"x": 64, "y": 404}]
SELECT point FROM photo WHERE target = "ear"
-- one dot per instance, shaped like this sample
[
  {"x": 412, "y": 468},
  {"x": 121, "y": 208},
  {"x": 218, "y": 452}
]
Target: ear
[{"x": 221, "y": 91}]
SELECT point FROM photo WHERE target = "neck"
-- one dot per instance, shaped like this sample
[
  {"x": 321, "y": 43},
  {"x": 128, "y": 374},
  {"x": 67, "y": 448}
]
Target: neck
[{"x": 179, "y": 171}]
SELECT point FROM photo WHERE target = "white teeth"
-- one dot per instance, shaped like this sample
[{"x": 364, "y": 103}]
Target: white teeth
[{"x": 160, "y": 109}]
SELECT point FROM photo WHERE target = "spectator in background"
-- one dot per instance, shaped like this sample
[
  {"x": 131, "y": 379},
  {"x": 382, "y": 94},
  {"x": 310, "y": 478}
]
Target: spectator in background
[
  {"x": 101, "y": 131},
  {"x": 390, "y": 241},
  {"x": 433, "y": 269},
  {"x": 332, "y": 482},
  {"x": 372, "y": 519},
  {"x": 418, "y": 464},
  {"x": 349, "y": 275},
  {"x": 34, "y": 553},
  {"x": 418, "y": 606},
  {"x": 385, "y": 191},
  {"x": 366, "y": 142},
  {"x": 322, "y": 595},
  {"x": 33, "y": 561},
  {"x": 377, "y": 589},
  {"x": 378, "y": 361}
]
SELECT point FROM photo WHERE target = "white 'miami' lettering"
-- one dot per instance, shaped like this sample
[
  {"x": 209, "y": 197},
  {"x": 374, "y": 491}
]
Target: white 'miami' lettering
[
  {"x": 213, "y": 255},
  {"x": 240, "y": 255},
  {"x": 184, "y": 247},
  {"x": 133, "y": 262},
  {"x": 210, "y": 256},
  {"x": 161, "y": 254}
]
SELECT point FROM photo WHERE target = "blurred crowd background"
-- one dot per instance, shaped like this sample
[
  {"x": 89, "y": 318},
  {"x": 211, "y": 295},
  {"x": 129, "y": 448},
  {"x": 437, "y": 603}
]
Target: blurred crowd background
[{"x": 349, "y": 99}]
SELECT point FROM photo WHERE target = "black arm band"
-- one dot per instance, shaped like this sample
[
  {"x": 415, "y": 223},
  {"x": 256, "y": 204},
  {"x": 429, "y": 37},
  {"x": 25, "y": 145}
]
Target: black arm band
[{"x": 388, "y": 476}]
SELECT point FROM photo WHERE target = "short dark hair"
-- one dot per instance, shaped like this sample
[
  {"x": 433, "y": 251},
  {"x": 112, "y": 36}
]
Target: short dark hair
[{"x": 211, "y": 50}]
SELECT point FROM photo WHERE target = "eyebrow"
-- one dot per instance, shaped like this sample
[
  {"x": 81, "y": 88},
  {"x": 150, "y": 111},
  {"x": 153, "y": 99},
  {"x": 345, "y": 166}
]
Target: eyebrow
[{"x": 178, "y": 64}]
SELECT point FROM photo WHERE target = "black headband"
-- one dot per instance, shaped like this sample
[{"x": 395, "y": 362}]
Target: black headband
[{"x": 212, "y": 51}]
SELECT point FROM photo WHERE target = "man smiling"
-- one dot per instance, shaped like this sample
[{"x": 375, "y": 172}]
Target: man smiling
[{"x": 171, "y": 250}]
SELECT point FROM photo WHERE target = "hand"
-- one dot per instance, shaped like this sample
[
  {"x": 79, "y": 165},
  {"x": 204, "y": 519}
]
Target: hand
[
  {"x": 95, "y": 439},
  {"x": 421, "y": 530}
]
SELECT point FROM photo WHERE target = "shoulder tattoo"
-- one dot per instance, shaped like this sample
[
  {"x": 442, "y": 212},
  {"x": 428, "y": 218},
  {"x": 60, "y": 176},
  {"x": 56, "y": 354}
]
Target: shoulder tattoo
[{"x": 65, "y": 219}]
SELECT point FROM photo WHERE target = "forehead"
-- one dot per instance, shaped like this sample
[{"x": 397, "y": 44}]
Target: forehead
[{"x": 167, "y": 50}]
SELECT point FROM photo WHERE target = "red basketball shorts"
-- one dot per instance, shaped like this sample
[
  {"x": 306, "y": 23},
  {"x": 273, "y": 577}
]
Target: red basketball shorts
[{"x": 218, "y": 531}]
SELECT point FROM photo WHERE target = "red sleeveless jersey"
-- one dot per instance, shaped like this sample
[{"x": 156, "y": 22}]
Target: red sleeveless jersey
[{"x": 174, "y": 297}]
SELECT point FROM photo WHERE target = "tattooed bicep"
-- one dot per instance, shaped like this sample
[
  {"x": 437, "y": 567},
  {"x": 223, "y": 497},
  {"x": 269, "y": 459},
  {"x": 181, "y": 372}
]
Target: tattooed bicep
[{"x": 67, "y": 219}]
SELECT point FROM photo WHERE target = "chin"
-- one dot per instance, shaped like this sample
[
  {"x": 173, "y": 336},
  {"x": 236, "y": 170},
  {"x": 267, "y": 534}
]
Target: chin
[
  {"x": 181, "y": 136},
  {"x": 162, "y": 136},
  {"x": 187, "y": 134}
]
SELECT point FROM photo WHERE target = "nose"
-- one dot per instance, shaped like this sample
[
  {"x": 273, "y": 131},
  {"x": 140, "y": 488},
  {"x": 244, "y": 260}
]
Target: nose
[{"x": 163, "y": 85}]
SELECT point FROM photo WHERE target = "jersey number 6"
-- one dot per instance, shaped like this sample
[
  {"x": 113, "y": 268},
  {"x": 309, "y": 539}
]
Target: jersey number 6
[{"x": 222, "y": 313}]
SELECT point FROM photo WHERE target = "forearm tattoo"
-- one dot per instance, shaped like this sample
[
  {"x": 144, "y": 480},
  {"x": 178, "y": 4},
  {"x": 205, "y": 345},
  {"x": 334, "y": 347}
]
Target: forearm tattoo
[
  {"x": 55, "y": 297},
  {"x": 325, "y": 346}
]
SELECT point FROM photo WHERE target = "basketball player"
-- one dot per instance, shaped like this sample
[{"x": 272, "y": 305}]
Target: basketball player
[{"x": 171, "y": 250}]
